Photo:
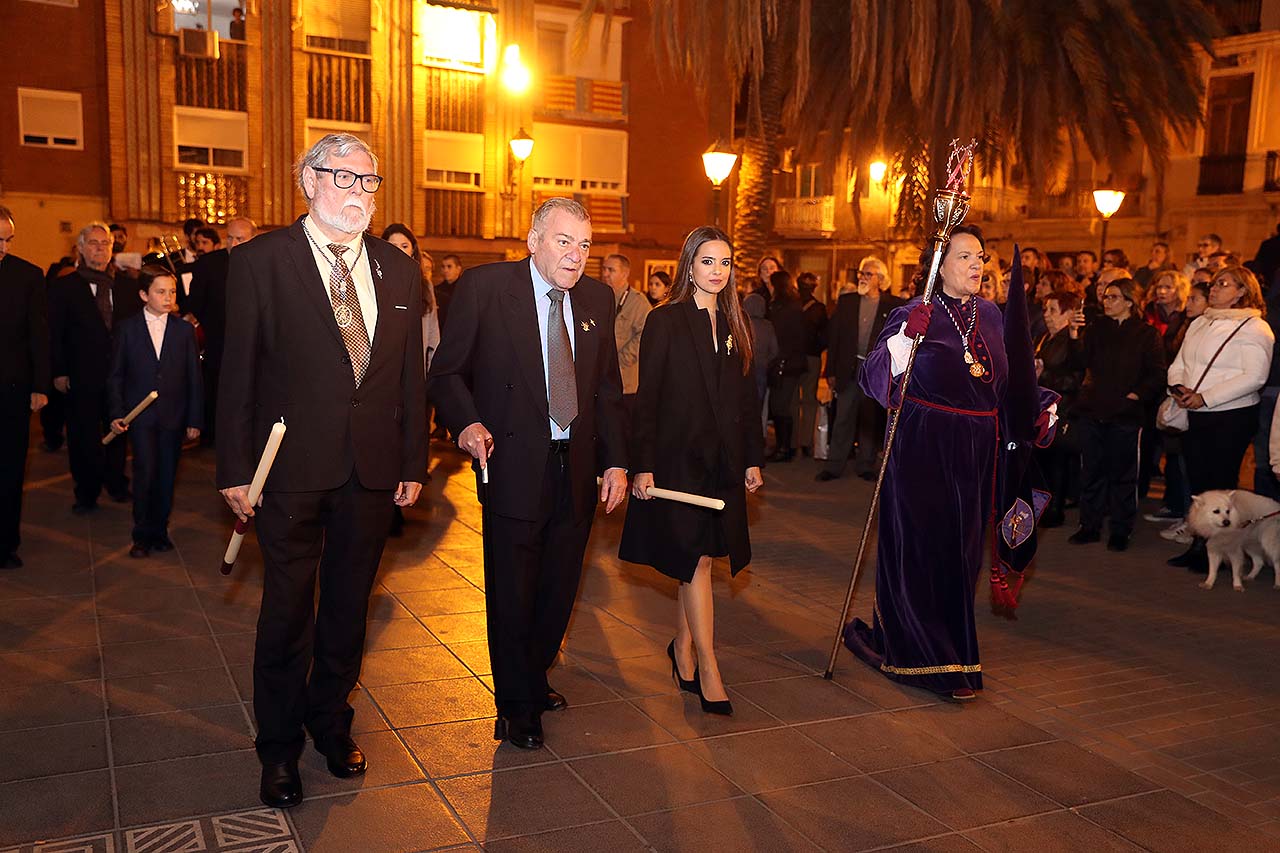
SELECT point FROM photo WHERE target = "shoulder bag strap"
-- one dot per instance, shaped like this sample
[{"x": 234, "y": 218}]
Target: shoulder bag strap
[{"x": 1218, "y": 353}]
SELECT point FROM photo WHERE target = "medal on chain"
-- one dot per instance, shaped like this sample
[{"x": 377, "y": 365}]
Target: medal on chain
[{"x": 976, "y": 370}]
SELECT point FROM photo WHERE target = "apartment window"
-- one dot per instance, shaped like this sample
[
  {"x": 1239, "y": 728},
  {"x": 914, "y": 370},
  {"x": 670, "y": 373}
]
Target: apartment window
[
  {"x": 341, "y": 25},
  {"x": 551, "y": 48},
  {"x": 812, "y": 181},
  {"x": 214, "y": 139},
  {"x": 579, "y": 159},
  {"x": 461, "y": 39},
  {"x": 50, "y": 119},
  {"x": 453, "y": 160}
]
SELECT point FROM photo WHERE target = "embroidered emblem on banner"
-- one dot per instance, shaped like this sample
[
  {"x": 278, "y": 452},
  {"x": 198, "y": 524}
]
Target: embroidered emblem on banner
[{"x": 1018, "y": 524}]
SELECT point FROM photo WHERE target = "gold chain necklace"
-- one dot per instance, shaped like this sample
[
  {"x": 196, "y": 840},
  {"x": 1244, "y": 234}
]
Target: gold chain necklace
[{"x": 976, "y": 370}]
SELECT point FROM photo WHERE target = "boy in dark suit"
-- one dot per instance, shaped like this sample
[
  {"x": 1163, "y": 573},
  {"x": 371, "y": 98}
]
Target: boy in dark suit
[{"x": 156, "y": 351}]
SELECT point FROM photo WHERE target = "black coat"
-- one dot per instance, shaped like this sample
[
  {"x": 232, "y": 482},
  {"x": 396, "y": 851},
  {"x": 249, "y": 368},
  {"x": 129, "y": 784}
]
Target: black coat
[
  {"x": 815, "y": 327},
  {"x": 788, "y": 323},
  {"x": 24, "y": 328},
  {"x": 208, "y": 300},
  {"x": 1061, "y": 370},
  {"x": 842, "y": 336},
  {"x": 696, "y": 430},
  {"x": 136, "y": 372},
  {"x": 81, "y": 344},
  {"x": 489, "y": 370},
  {"x": 285, "y": 358},
  {"x": 1119, "y": 359}
]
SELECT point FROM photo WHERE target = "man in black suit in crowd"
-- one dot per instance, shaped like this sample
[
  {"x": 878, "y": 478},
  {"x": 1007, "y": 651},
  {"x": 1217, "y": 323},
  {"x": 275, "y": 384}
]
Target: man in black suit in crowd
[
  {"x": 326, "y": 336},
  {"x": 450, "y": 271},
  {"x": 527, "y": 377},
  {"x": 854, "y": 328},
  {"x": 24, "y": 380},
  {"x": 207, "y": 310},
  {"x": 84, "y": 308}
]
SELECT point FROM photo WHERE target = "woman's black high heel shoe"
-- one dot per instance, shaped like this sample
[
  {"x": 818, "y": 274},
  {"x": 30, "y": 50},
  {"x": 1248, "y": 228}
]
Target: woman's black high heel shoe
[
  {"x": 724, "y": 707},
  {"x": 690, "y": 686}
]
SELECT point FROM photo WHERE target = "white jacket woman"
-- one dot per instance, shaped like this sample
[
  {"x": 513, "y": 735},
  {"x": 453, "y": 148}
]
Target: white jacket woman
[{"x": 1239, "y": 372}]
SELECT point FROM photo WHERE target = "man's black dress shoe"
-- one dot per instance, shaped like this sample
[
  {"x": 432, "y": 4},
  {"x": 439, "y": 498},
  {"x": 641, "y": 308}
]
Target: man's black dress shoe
[
  {"x": 1118, "y": 542},
  {"x": 138, "y": 551},
  {"x": 162, "y": 544},
  {"x": 13, "y": 561},
  {"x": 556, "y": 701},
  {"x": 825, "y": 476},
  {"x": 83, "y": 507},
  {"x": 281, "y": 785},
  {"x": 342, "y": 756},
  {"x": 520, "y": 730},
  {"x": 1085, "y": 536}
]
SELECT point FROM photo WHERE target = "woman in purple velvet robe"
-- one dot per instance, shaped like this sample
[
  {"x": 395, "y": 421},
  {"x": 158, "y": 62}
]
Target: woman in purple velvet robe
[{"x": 936, "y": 501}]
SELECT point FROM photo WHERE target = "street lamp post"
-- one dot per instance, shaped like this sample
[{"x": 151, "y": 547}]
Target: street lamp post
[
  {"x": 521, "y": 147},
  {"x": 1107, "y": 202},
  {"x": 718, "y": 161}
]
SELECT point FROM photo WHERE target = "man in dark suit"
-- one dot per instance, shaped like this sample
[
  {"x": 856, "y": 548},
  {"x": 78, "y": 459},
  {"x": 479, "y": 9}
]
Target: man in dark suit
[
  {"x": 207, "y": 310},
  {"x": 528, "y": 359},
  {"x": 24, "y": 380},
  {"x": 84, "y": 308},
  {"x": 854, "y": 328},
  {"x": 155, "y": 351},
  {"x": 326, "y": 336}
]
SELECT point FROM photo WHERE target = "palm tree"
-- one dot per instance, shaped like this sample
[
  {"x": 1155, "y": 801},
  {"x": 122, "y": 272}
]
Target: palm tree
[{"x": 1033, "y": 81}]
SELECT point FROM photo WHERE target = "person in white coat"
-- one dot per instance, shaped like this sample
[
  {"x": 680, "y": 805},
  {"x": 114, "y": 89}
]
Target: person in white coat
[{"x": 1217, "y": 375}]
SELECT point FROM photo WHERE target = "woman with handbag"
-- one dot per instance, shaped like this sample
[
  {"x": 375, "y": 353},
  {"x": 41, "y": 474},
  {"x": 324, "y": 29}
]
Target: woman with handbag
[
  {"x": 1124, "y": 370},
  {"x": 1214, "y": 382}
]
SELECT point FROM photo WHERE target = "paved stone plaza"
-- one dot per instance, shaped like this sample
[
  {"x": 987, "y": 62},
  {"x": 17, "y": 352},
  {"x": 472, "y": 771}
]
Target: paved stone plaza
[{"x": 1125, "y": 709}]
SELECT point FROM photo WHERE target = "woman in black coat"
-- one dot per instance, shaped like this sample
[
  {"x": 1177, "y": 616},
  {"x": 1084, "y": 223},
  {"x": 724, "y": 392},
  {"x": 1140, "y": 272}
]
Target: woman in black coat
[{"x": 695, "y": 429}]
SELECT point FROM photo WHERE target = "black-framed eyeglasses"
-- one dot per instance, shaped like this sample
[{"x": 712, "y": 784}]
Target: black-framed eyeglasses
[{"x": 345, "y": 179}]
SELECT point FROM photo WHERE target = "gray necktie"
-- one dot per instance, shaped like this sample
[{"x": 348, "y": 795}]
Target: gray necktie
[{"x": 562, "y": 384}]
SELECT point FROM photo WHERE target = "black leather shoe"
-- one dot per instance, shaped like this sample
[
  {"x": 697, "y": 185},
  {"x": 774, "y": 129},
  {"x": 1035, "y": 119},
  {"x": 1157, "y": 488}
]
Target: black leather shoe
[
  {"x": 869, "y": 476},
  {"x": 690, "y": 685},
  {"x": 556, "y": 701},
  {"x": 522, "y": 730},
  {"x": 281, "y": 785},
  {"x": 1194, "y": 559},
  {"x": 138, "y": 551},
  {"x": 1118, "y": 542},
  {"x": 1084, "y": 536},
  {"x": 825, "y": 476},
  {"x": 162, "y": 544},
  {"x": 342, "y": 756},
  {"x": 83, "y": 507}
]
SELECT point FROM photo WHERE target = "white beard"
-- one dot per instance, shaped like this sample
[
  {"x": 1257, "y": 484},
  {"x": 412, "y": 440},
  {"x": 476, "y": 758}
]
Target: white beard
[{"x": 349, "y": 219}]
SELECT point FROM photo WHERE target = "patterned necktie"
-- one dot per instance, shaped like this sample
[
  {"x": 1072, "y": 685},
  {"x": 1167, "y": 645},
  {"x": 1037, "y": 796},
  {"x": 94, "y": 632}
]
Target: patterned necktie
[
  {"x": 346, "y": 311},
  {"x": 562, "y": 384}
]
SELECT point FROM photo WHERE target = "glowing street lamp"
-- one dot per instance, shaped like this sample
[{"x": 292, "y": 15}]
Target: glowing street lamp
[
  {"x": 718, "y": 161},
  {"x": 521, "y": 146},
  {"x": 1107, "y": 202},
  {"x": 877, "y": 171},
  {"x": 516, "y": 76}
]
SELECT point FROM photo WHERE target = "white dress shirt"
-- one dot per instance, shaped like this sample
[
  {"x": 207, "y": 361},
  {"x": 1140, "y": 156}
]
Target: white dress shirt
[
  {"x": 359, "y": 271},
  {"x": 156, "y": 324},
  {"x": 543, "y": 304}
]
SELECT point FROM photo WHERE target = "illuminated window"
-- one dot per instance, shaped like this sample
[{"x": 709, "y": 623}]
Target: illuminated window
[
  {"x": 341, "y": 25},
  {"x": 50, "y": 119},
  {"x": 462, "y": 39},
  {"x": 217, "y": 139},
  {"x": 453, "y": 160},
  {"x": 579, "y": 159}
]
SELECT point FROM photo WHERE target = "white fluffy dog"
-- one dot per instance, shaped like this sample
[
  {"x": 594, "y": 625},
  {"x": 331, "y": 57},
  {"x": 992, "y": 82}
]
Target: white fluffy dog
[{"x": 1226, "y": 521}]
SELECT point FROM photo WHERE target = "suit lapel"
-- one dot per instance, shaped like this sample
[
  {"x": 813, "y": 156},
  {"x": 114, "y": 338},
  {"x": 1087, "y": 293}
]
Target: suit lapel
[
  {"x": 586, "y": 334},
  {"x": 703, "y": 349},
  {"x": 313, "y": 286},
  {"x": 521, "y": 315},
  {"x": 376, "y": 261}
]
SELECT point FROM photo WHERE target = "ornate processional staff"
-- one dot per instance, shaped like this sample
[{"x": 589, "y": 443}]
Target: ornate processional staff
[{"x": 949, "y": 208}]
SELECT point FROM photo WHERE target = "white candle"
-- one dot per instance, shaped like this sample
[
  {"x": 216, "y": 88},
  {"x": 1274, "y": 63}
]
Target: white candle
[
  {"x": 137, "y": 410},
  {"x": 265, "y": 462}
]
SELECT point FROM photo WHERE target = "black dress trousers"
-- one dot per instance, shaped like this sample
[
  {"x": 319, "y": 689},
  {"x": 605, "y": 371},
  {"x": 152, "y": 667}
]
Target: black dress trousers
[
  {"x": 92, "y": 465},
  {"x": 531, "y": 575},
  {"x": 15, "y": 429},
  {"x": 343, "y": 531},
  {"x": 155, "y": 468}
]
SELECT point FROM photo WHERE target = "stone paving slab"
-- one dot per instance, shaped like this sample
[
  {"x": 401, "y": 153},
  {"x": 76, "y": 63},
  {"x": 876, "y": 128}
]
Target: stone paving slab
[{"x": 1125, "y": 709}]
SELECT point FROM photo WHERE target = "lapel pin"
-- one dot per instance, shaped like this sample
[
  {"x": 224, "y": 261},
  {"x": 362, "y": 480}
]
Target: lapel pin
[
  {"x": 728, "y": 345},
  {"x": 377, "y": 268},
  {"x": 586, "y": 327}
]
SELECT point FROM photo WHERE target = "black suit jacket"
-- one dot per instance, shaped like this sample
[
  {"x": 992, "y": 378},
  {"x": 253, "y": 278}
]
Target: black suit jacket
[
  {"x": 842, "y": 336},
  {"x": 208, "y": 299},
  {"x": 136, "y": 372},
  {"x": 24, "y": 328},
  {"x": 285, "y": 358},
  {"x": 81, "y": 344},
  {"x": 489, "y": 369},
  {"x": 696, "y": 428}
]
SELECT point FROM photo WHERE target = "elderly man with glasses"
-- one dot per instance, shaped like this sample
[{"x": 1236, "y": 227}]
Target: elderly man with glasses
[
  {"x": 854, "y": 328},
  {"x": 326, "y": 336}
]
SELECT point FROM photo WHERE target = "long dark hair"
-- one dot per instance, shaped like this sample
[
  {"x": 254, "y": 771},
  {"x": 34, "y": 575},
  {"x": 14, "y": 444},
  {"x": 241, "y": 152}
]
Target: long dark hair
[
  {"x": 926, "y": 256},
  {"x": 683, "y": 289},
  {"x": 428, "y": 294}
]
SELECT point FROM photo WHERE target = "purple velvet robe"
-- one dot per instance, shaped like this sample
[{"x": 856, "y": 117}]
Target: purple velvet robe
[{"x": 936, "y": 501}]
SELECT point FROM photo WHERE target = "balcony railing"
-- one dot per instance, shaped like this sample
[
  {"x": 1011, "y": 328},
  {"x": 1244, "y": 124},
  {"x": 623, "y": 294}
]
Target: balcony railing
[
  {"x": 582, "y": 97},
  {"x": 609, "y": 213},
  {"x": 1271, "y": 181},
  {"x": 805, "y": 217},
  {"x": 455, "y": 213},
  {"x": 454, "y": 101},
  {"x": 339, "y": 87},
  {"x": 216, "y": 84},
  {"x": 1221, "y": 174}
]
